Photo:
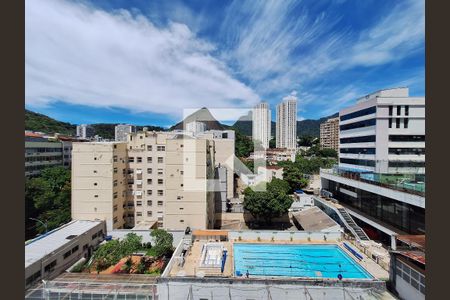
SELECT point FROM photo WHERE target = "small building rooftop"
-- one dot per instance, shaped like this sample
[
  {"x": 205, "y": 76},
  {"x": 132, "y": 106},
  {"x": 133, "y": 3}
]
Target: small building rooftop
[
  {"x": 314, "y": 219},
  {"x": 41, "y": 246}
]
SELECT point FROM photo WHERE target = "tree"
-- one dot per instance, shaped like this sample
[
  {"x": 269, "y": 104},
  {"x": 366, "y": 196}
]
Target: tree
[
  {"x": 163, "y": 242},
  {"x": 272, "y": 143},
  {"x": 294, "y": 177},
  {"x": 328, "y": 152},
  {"x": 267, "y": 205},
  {"x": 243, "y": 145},
  {"x": 47, "y": 198}
]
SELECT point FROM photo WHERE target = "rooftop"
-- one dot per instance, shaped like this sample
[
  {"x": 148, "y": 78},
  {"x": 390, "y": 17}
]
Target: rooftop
[
  {"x": 41, "y": 246},
  {"x": 314, "y": 219}
]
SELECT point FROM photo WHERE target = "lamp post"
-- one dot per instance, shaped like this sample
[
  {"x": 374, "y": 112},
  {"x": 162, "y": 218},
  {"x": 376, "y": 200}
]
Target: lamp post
[{"x": 44, "y": 224}]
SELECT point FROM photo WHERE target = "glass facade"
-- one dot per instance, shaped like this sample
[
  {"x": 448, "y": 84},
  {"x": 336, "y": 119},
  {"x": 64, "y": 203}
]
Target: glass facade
[
  {"x": 358, "y": 139},
  {"x": 358, "y": 150},
  {"x": 406, "y": 138},
  {"x": 359, "y": 162},
  {"x": 360, "y": 124},
  {"x": 403, "y": 216}
]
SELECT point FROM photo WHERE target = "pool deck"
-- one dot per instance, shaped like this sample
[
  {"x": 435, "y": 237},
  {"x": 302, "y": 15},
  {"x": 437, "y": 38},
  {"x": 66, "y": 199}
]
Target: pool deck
[{"x": 192, "y": 267}]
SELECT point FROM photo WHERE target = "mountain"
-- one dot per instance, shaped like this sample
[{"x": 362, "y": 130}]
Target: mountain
[
  {"x": 42, "y": 123},
  {"x": 202, "y": 115},
  {"x": 304, "y": 127}
]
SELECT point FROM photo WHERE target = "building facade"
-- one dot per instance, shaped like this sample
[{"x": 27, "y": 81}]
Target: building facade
[
  {"x": 286, "y": 124},
  {"x": 329, "y": 134},
  {"x": 195, "y": 127},
  {"x": 41, "y": 153},
  {"x": 85, "y": 131},
  {"x": 384, "y": 132},
  {"x": 261, "y": 129},
  {"x": 99, "y": 183},
  {"x": 122, "y": 130}
]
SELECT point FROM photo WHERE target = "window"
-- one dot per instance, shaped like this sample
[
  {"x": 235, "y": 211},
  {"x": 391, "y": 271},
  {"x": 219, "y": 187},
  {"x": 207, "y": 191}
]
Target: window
[
  {"x": 360, "y": 124},
  {"x": 178, "y": 197},
  {"x": 160, "y": 181},
  {"x": 139, "y": 159},
  {"x": 138, "y": 203},
  {"x": 406, "y": 110},
  {"x": 115, "y": 146},
  {"x": 360, "y": 162},
  {"x": 160, "y": 171},
  {"x": 149, "y": 192},
  {"x": 397, "y": 123},
  {"x": 95, "y": 183},
  {"x": 406, "y": 138},
  {"x": 85, "y": 246},
  {"x": 160, "y": 193},
  {"x": 181, "y": 208},
  {"x": 181, "y": 221},
  {"x": 115, "y": 158},
  {"x": 115, "y": 220},
  {"x": 149, "y": 171},
  {"x": 391, "y": 108},
  {"x": 160, "y": 160},
  {"x": 149, "y": 181},
  {"x": 139, "y": 214},
  {"x": 75, "y": 249},
  {"x": 115, "y": 195},
  {"x": 160, "y": 203},
  {"x": 181, "y": 172},
  {"x": 95, "y": 196},
  {"x": 115, "y": 170},
  {"x": 131, "y": 159},
  {"x": 67, "y": 254},
  {"x": 359, "y": 113},
  {"x": 95, "y": 158},
  {"x": 161, "y": 148},
  {"x": 149, "y": 159},
  {"x": 149, "y": 202},
  {"x": 94, "y": 236},
  {"x": 405, "y": 122},
  {"x": 390, "y": 122},
  {"x": 358, "y": 150},
  {"x": 50, "y": 267},
  {"x": 115, "y": 207},
  {"x": 399, "y": 110},
  {"x": 115, "y": 182},
  {"x": 149, "y": 147},
  {"x": 95, "y": 171},
  {"x": 149, "y": 213},
  {"x": 100, "y": 233},
  {"x": 406, "y": 164}
]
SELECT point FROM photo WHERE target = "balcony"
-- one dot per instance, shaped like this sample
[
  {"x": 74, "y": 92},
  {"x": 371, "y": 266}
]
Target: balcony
[{"x": 411, "y": 184}]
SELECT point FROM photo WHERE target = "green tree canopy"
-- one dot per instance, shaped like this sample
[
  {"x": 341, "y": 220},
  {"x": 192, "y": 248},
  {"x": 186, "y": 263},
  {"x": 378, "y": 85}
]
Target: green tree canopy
[
  {"x": 163, "y": 242},
  {"x": 294, "y": 177},
  {"x": 270, "y": 204},
  {"x": 243, "y": 145}
]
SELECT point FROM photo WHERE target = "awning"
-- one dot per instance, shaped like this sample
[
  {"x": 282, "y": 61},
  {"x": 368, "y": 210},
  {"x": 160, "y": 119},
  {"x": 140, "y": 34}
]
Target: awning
[
  {"x": 210, "y": 233},
  {"x": 417, "y": 241}
]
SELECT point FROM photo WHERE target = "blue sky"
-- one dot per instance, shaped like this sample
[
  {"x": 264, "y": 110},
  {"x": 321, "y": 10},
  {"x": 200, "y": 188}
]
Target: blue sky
[{"x": 143, "y": 62}]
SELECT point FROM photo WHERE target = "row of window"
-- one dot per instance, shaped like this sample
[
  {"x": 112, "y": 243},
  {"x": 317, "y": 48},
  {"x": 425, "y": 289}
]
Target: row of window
[
  {"x": 359, "y": 162},
  {"x": 406, "y": 164},
  {"x": 358, "y": 139},
  {"x": 358, "y": 150},
  {"x": 359, "y": 113},
  {"x": 405, "y": 151},
  {"x": 399, "y": 110},
  {"x": 397, "y": 122},
  {"x": 149, "y": 203},
  {"x": 411, "y": 276},
  {"x": 406, "y": 138},
  {"x": 149, "y": 159},
  {"x": 360, "y": 124},
  {"x": 160, "y": 181},
  {"x": 42, "y": 150},
  {"x": 70, "y": 252},
  {"x": 40, "y": 167},
  {"x": 43, "y": 158}
]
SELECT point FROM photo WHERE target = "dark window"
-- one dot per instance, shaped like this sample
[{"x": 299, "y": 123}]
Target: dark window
[
  {"x": 406, "y": 164},
  {"x": 391, "y": 108},
  {"x": 397, "y": 123},
  {"x": 50, "y": 266},
  {"x": 390, "y": 122},
  {"x": 94, "y": 236},
  {"x": 75, "y": 249},
  {"x": 399, "y": 109},
  {"x": 67, "y": 254},
  {"x": 406, "y": 151},
  {"x": 407, "y": 110},
  {"x": 85, "y": 246},
  {"x": 359, "y": 139},
  {"x": 406, "y": 138},
  {"x": 360, "y": 124},
  {"x": 359, "y": 162},
  {"x": 405, "y": 123},
  {"x": 359, "y": 113},
  {"x": 358, "y": 150}
]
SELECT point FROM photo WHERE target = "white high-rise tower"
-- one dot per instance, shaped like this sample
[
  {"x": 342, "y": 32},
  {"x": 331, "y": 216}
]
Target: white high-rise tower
[
  {"x": 261, "y": 124},
  {"x": 286, "y": 135}
]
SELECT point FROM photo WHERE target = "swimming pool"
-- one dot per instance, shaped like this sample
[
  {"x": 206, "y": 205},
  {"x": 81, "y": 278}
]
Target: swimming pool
[{"x": 313, "y": 261}]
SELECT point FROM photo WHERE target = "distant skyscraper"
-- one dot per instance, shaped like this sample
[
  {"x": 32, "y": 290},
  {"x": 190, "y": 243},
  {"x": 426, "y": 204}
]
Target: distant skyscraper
[
  {"x": 122, "y": 131},
  {"x": 85, "y": 131},
  {"x": 261, "y": 124},
  {"x": 286, "y": 135}
]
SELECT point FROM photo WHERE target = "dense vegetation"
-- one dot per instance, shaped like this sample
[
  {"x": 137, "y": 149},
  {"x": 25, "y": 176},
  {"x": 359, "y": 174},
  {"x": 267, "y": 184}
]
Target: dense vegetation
[
  {"x": 42, "y": 123},
  {"x": 272, "y": 203},
  {"x": 243, "y": 144},
  {"x": 47, "y": 198}
]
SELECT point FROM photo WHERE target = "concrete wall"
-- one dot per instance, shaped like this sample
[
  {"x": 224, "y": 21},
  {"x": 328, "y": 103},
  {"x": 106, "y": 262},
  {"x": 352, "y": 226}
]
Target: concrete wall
[{"x": 267, "y": 235}]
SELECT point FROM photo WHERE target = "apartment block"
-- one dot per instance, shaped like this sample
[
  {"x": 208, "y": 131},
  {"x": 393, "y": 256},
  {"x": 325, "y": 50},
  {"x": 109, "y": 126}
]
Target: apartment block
[
  {"x": 85, "y": 131},
  {"x": 41, "y": 153},
  {"x": 122, "y": 130},
  {"x": 99, "y": 183},
  {"x": 384, "y": 132},
  {"x": 286, "y": 124},
  {"x": 261, "y": 129},
  {"x": 329, "y": 134}
]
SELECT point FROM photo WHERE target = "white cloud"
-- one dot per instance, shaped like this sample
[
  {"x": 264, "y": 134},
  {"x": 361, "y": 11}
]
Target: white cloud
[{"x": 82, "y": 55}]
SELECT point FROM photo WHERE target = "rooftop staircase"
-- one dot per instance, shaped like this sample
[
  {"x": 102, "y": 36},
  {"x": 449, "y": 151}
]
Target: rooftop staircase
[{"x": 351, "y": 225}]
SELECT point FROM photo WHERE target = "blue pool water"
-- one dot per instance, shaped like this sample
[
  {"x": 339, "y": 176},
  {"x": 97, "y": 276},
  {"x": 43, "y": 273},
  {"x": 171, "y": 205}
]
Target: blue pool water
[{"x": 313, "y": 261}]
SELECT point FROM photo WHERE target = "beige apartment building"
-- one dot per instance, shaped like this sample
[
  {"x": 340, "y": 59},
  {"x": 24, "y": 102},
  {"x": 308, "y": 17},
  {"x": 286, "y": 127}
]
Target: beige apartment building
[
  {"x": 166, "y": 179},
  {"x": 329, "y": 134},
  {"x": 99, "y": 183}
]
